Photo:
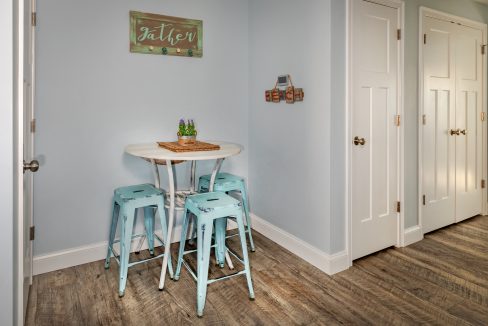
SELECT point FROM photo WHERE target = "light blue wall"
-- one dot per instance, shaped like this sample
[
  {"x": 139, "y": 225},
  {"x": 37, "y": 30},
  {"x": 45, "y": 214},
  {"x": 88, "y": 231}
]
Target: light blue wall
[
  {"x": 466, "y": 8},
  {"x": 6, "y": 163},
  {"x": 337, "y": 126},
  {"x": 94, "y": 97},
  {"x": 289, "y": 160}
]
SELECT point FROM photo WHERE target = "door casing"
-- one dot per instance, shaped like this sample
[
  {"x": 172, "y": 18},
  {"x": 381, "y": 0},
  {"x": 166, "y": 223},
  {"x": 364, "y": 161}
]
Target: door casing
[
  {"x": 424, "y": 12},
  {"x": 18, "y": 159},
  {"x": 24, "y": 63},
  {"x": 399, "y": 5}
]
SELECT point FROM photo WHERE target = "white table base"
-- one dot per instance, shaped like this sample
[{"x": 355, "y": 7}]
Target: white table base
[{"x": 172, "y": 208}]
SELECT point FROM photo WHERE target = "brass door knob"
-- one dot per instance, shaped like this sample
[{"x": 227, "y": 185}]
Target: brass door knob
[
  {"x": 359, "y": 141},
  {"x": 464, "y": 132},
  {"x": 455, "y": 132},
  {"x": 33, "y": 166}
]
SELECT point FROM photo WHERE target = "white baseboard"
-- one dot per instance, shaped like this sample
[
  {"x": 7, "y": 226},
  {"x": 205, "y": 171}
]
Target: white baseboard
[
  {"x": 67, "y": 258},
  {"x": 413, "y": 234},
  {"x": 327, "y": 263},
  {"x": 85, "y": 254}
]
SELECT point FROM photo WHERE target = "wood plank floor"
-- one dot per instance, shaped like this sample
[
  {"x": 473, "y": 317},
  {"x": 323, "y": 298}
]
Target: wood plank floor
[{"x": 442, "y": 280}]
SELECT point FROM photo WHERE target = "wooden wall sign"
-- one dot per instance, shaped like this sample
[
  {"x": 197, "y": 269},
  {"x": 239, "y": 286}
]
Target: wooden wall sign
[
  {"x": 290, "y": 94},
  {"x": 166, "y": 35}
]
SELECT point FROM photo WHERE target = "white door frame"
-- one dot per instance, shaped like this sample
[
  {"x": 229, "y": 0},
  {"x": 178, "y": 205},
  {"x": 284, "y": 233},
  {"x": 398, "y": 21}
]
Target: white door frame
[
  {"x": 31, "y": 58},
  {"x": 427, "y": 12},
  {"x": 400, "y": 5},
  {"x": 7, "y": 109},
  {"x": 18, "y": 159}
]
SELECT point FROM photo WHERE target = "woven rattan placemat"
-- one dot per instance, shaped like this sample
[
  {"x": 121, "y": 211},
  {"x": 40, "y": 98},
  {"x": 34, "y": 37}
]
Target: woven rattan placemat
[{"x": 197, "y": 147}]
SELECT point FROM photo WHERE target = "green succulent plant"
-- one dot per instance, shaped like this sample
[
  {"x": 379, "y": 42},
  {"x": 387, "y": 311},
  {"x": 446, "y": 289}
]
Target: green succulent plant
[{"x": 186, "y": 129}]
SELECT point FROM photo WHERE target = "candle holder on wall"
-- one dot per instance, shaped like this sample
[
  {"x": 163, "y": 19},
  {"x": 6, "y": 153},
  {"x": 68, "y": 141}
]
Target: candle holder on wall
[{"x": 290, "y": 94}]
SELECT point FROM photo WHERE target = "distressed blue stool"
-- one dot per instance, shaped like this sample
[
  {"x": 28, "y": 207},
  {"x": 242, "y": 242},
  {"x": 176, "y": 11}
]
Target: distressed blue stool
[
  {"x": 126, "y": 201},
  {"x": 208, "y": 207},
  {"x": 225, "y": 182}
]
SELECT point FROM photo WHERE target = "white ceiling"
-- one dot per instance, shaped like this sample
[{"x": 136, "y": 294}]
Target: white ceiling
[{"x": 482, "y": 1}]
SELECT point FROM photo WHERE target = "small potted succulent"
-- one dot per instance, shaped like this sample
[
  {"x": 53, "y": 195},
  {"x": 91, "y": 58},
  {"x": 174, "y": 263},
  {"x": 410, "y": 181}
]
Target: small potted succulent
[{"x": 187, "y": 134}]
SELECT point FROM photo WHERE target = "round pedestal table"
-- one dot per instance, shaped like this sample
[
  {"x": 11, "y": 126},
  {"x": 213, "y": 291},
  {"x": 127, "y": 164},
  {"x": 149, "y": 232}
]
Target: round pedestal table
[{"x": 155, "y": 154}]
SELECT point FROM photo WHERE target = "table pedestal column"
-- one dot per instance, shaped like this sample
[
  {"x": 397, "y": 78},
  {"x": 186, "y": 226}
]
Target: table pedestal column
[{"x": 171, "y": 217}]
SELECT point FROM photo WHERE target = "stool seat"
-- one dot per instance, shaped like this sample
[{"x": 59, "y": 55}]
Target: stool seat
[
  {"x": 222, "y": 180},
  {"x": 126, "y": 202},
  {"x": 136, "y": 192},
  {"x": 211, "y": 202}
]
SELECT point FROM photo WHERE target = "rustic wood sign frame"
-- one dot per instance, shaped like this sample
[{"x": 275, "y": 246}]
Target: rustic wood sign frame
[{"x": 165, "y": 35}]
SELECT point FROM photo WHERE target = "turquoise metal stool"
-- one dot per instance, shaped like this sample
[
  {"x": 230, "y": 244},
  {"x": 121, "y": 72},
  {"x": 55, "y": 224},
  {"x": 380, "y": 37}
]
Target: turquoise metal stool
[
  {"x": 226, "y": 182},
  {"x": 126, "y": 201},
  {"x": 208, "y": 207}
]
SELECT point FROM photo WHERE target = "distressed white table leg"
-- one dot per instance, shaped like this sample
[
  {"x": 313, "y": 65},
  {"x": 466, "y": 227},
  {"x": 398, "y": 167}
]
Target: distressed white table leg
[
  {"x": 157, "y": 185},
  {"x": 192, "y": 175},
  {"x": 171, "y": 213},
  {"x": 215, "y": 170},
  {"x": 192, "y": 189}
]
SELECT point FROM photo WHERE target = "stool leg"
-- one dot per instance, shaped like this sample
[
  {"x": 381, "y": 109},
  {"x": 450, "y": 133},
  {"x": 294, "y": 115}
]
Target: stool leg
[
  {"x": 200, "y": 185},
  {"x": 204, "y": 242},
  {"x": 113, "y": 229},
  {"x": 245, "y": 203},
  {"x": 245, "y": 255},
  {"x": 149, "y": 224},
  {"x": 125, "y": 244},
  {"x": 220, "y": 233},
  {"x": 164, "y": 229},
  {"x": 192, "y": 228},
  {"x": 184, "y": 230}
]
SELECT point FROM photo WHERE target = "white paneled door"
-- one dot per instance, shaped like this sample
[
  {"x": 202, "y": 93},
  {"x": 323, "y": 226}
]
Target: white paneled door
[
  {"x": 469, "y": 99},
  {"x": 451, "y": 122},
  {"x": 374, "y": 187},
  {"x": 438, "y": 122}
]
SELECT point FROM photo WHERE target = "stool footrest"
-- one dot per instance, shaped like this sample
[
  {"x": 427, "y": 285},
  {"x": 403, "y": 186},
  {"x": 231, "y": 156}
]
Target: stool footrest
[
  {"x": 186, "y": 252},
  {"x": 145, "y": 260},
  {"x": 212, "y": 280},
  {"x": 161, "y": 241},
  {"x": 116, "y": 255},
  {"x": 236, "y": 256},
  {"x": 133, "y": 237}
]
